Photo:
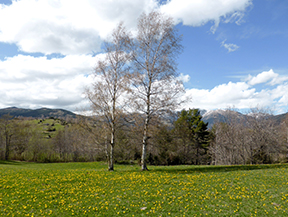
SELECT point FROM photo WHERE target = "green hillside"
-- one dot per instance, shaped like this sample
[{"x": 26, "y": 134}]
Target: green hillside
[{"x": 48, "y": 127}]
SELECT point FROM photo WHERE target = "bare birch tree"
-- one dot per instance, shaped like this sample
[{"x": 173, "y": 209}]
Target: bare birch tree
[
  {"x": 154, "y": 50},
  {"x": 113, "y": 83}
]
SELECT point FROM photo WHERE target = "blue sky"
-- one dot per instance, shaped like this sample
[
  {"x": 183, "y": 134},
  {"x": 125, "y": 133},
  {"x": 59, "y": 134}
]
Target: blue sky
[
  {"x": 235, "y": 51},
  {"x": 261, "y": 37}
]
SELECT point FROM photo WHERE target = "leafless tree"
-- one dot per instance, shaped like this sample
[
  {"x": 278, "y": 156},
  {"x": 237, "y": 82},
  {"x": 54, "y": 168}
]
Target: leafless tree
[
  {"x": 229, "y": 145},
  {"x": 254, "y": 138},
  {"x": 7, "y": 125},
  {"x": 283, "y": 128},
  {"x": 265, "y": 143},
  {"x": 114, "y": 82},
  {"x": 154, "y": 50}
]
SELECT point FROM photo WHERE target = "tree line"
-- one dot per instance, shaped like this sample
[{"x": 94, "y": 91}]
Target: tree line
[
  {"x": 256, "y": 139},
  {"x": 87, "y": 139},
  {"x": 183, "y": 139}
]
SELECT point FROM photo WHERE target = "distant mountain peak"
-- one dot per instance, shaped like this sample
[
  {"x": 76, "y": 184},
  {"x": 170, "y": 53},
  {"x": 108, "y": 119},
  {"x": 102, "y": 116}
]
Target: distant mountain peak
[{"x": 213, "y": 112}]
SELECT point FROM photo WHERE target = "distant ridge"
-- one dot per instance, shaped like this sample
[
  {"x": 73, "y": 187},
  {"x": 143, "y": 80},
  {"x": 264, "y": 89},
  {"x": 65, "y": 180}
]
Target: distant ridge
[
  {"x": 37, "y": 113},
  {"x": 217, "y": 116},
  {"x": 210, "y": 117}
]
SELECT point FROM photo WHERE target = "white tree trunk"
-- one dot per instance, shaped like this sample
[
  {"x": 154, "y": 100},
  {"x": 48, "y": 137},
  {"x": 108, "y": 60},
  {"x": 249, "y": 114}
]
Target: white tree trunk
[
  {"x": 111, "y": 163},
  {"x": 144, "y": 144}
]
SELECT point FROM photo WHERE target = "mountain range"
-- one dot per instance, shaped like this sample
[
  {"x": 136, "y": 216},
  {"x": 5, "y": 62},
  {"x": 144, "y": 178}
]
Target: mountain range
[
  {"x": 216, "y": 116},
  {"x": 37, "y": 113},
  {"x": 210, "y": 117}
]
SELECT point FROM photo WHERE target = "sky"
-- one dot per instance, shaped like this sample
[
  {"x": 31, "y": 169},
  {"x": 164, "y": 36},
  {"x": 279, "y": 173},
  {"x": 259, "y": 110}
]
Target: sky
[{"x": 235, "y": 51}]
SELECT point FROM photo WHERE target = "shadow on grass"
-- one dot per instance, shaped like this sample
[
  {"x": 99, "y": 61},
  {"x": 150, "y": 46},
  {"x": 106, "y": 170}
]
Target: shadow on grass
[
  {"x": 203, "y": 169},
  {"x": 132, "y": 168},
  {"x": 10, "y": 162},
  {"x": 54, "y": 166}
]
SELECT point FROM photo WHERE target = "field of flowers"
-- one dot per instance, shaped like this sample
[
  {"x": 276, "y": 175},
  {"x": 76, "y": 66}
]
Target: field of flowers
[{"x": 87, "y": 189}]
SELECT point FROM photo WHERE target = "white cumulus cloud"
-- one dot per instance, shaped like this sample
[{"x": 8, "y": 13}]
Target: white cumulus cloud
[
  {"x": 199, "y": 12},
  {"x": 184, "y": 78},
  {"x": 243, "y": 95},
  {"x": 66, "y": 26},
  {"x": 79, "y": 27},
  {"x": 266, "y": 76},
  {"x": 34, "y": 82},
  {"x": 262, "y": 77}
]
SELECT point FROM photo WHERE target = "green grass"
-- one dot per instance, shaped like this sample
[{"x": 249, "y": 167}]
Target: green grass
[
  {"x": 87, "y": 189},
  {"x": 43, "y": 126}
]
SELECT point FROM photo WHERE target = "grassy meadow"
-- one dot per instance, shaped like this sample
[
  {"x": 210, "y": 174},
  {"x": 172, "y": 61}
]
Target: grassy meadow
[
  {"x": 88, "y": 189},
  {"x": 48, "y": 127}
]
